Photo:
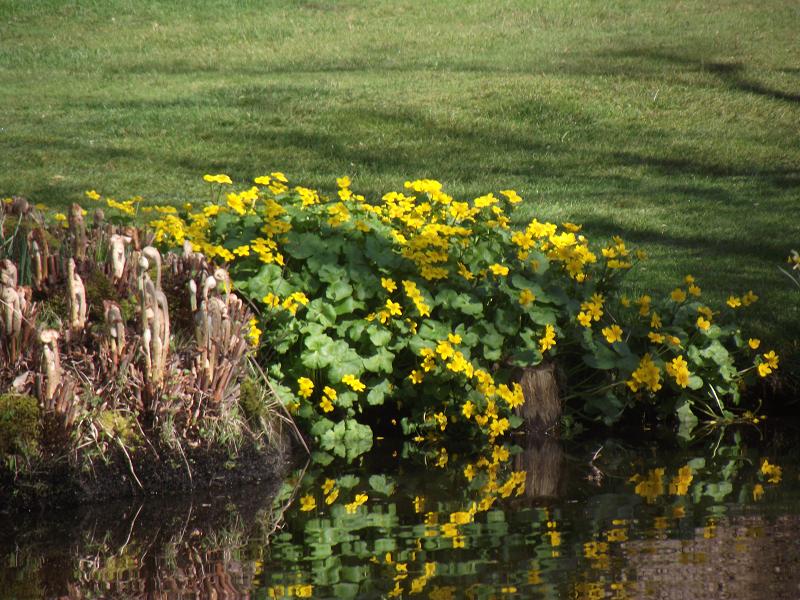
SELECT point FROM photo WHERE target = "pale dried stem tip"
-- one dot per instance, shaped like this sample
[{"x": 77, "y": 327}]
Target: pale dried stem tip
[
  {"x": 76, "y": 298},
  {"x": 77, "y": 229},
  {"x": 51, "y": 362},
  {"x": 155, "y": 319},
  {"x": 115, "y": 329},
  {"x": 37, "y": 265},
  {"x": 13, "y": 303},
  {"x": 117, "y": 245},
  {"x": 203, "y": 328}
]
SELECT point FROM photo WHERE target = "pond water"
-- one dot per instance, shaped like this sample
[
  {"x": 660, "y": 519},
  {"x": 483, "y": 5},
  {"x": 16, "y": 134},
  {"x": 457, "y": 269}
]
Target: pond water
[{"x": 606, "y": 518}]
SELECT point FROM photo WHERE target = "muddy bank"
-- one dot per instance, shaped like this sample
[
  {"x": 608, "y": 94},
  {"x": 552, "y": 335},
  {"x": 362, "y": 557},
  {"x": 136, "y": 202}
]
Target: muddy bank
[{"x": 143, "y": 473}]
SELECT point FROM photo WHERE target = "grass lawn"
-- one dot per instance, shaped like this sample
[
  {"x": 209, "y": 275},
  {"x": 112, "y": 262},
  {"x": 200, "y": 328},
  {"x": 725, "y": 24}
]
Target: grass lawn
[{"x": 674, "y": 124}]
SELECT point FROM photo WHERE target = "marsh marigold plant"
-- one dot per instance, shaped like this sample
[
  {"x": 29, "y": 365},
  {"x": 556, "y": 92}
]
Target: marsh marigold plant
[{"x": 418, "y": 309}]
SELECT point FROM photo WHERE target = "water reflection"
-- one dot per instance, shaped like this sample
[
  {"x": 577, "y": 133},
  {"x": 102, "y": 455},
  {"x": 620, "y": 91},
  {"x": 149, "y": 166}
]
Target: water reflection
[{"x": 544, "y": 520}]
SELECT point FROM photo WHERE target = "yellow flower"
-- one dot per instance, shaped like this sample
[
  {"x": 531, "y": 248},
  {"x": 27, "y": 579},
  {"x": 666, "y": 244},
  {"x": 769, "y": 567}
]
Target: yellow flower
[
  {"x": 393, "y": 308},
  {"x": 656, "y": 337},
  {"x": 548, "y": 340},
  {"x": 754, "y": 343},
  {"x": 221, "y": 178},
  {"x": 453, "y": 338},
  {"x": 468, "y": 409},
  {"x": 331, "y": 498},
  {"x": 498, "y": 269},
  {"x": 512, "y": 196},
  {"x": 678, "y": 368},
  {"x": 764, "y": 370},
  {"x": 92, "y": 195},
  {"x": 526, "y": 297},
  {"x": 612, "y": 334},
  {"x": 585, "y": 319},
  {"x": 343, "y": 182},
  {"x": 388, "y": 284},
  {"x": 329, "y": 392},
  {"x": 307, "y": 503},
  {"x": 694, "y": 290},
  {"x": 647, "y": 374},
  {"x": 734, "y": 301},
  {"x": 326, "y": 405},
  {"x": 354, "y": 383},
  {"x": 655, "y": 321},
  {"x": 254, "y": 333},
  {"x": 749, "y": 298},
  {"x": 328, "y": 485},
  {"x": 242, "y": 250},
  {"x": 678, "y": 295},
  {"x": 416, "y": 376},
  {"x": 306, "y": 387},
  {"x": 772, "y": 359},
  {"x": 703, "y": 324}
]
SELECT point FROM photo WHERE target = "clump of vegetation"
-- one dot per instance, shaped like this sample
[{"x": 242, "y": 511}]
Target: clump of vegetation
[
  {"x": 19, "y": 424},
  {"x": 105, "y": 376},
  {"x": 428, "y": 307}
]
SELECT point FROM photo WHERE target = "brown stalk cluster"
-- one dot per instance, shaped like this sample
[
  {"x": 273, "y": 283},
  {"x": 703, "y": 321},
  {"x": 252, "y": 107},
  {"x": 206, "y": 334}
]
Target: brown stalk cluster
[{"x": 91, "y": 328}]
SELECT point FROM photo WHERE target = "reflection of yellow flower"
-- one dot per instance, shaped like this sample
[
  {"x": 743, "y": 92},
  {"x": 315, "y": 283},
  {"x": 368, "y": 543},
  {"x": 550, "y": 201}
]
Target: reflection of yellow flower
[
  {"x": 650, "y": 487},
  {"x": 758, "y": 491},
  {"x": 680, "y": 483},
  {"x": 773, "y": 473}
]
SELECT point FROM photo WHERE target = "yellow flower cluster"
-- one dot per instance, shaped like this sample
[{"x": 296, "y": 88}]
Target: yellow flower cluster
[
  {"x": 591, "y": 310},
  {"x": 646, "y": 375},
  {"x": 679, "y": 369},
  {"x": 291, "y": 303}
]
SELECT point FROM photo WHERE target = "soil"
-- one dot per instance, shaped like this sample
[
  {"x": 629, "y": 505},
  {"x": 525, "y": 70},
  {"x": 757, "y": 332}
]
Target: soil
[{"x": 160, "y": 471}]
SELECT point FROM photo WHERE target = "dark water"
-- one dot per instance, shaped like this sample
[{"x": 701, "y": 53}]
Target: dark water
[{"x": 550, "y": 520}]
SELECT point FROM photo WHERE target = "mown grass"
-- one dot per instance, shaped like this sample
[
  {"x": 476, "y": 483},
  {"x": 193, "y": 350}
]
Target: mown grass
[{"x": 675, "y": 125}]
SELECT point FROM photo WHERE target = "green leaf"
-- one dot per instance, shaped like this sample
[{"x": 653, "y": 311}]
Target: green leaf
[
  {"x": 319, "y": 353},
  {"x": 695, "y": 382},
  {"x": 467, "y": 305},
  {"x": 688, "y": 420},
  {"x": 433, "y": 330},
  {"x": 350, "y": 363},
  {"x": 339, "y": 290},
  {"x": 321, "y": 427},
  {"x": 347, "y": 306},
  {"x": 332, "y": 273},
  {"x": 303, "y": 245},
  {"x": 376, "y": 395},
  {"x": 321, "y": 458},
  {"x": 347, "y": 482},
  {"x": 346, "y": 399},
  {"x": 321, "y": 312},
  {"x": 603, "y": 358},
  {"x": 380, "y": 362},
  {"x": 506, "y": 321},
  {"x": 382, "y": 485},
  {"x": 379, "y": 336}
]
